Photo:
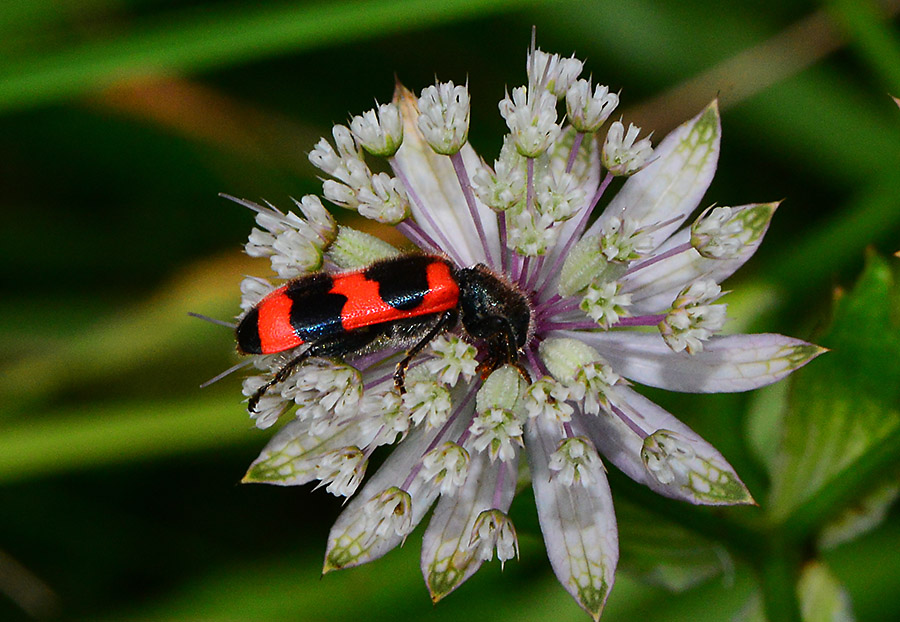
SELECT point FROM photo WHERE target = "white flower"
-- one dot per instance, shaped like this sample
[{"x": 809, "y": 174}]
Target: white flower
[
  {"x": 588, "y": 112},
  {"x": 531, "y": 118},
  {"x": 379, "y": 131},
  {"x": 444, "y": 116},
  {"x": 628, "y": 299},
  {"x": 552, "y": 72},
  {"x": 623, "y": 154}
]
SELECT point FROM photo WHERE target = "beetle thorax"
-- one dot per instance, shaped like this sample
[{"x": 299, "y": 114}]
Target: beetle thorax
[{"x": 490, "y": 305}]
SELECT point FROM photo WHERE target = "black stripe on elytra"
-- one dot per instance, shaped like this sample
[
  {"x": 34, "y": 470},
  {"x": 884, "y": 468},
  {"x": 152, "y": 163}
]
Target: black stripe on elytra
[
  {"x": 248, "y": 333},
  {"x": 314, "y": 312},
  {"x": 402, "y": 282}
]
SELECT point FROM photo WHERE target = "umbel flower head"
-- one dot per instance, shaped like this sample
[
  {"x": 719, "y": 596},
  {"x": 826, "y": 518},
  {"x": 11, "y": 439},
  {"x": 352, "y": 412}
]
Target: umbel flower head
[{"x": 627, "y": 295}]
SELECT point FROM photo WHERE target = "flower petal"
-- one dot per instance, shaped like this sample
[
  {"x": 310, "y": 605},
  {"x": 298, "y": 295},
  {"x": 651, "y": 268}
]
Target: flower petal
[
  {"x": 578, "y": 523},
  {"x": 290, "y": 458},
  {"x": 654, "y": 288},
  {"x": 727, "y": 364},
  {"x": 351, "y": 541},
  {"x": 671, "y": 186},
  {"x": 710, "y": 480},
  {"x": 436, "y": 198},
  {"x": 448, "y": 559}
]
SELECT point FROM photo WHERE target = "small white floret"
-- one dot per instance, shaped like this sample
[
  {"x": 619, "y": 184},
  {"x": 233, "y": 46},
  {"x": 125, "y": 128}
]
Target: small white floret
[
  {"x": 388, "y": 513},
  {"x": 444, "y": 116},
  {"x": 575, "y": 461},
  {"x": 693, "y": 318},
  {"x": 379, "y": 131},
  {"x": 494, "y": 531},
  {"x": 623, "y": 154},
  {"x": 341, "y": 471},
  {"x": 446, "y": 465},
  {"x": 552, "y": 71},
  {"x": 587, "y": 112},
  {"x": 531, "y": 118},
  {"x": 454, "y": 358},
  {"x": 604, "y": 304}
]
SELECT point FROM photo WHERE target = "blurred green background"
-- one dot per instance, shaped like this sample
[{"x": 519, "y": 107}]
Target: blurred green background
[{"x": 122, "y": 120}]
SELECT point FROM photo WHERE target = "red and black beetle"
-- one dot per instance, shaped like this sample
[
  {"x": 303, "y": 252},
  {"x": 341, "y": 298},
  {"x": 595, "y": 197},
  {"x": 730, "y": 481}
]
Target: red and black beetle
[{"x": 403, "y": 301}]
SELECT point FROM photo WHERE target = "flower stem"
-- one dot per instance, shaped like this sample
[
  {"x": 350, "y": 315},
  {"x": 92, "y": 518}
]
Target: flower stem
[
  {"x": 669, "y": 253},
  {"x": 415, "y": 234},
  {"x": 576, "y": 145},
  {"x": 504, "y": 250},
  {"x": 778, "y": 578},
  {"x": 463, "y": 177}
]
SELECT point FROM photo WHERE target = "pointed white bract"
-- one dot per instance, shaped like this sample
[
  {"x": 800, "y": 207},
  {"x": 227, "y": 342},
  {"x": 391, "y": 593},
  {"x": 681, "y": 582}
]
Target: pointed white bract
[
  {"x": 578, "y": 523},
  {"x": 632, "y": 297},
  {"x": 470, "y": 525}
]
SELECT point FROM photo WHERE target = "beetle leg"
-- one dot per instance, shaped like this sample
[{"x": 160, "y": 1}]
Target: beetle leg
[
  {"x": 501, "y": 350},
  {"x": 446, "y": 320},
  {"x": 335, "y": 345}
]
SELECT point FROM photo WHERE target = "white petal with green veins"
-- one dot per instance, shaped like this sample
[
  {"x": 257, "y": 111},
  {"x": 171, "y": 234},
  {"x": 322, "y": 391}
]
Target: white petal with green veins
[
  {"x": 704, "y": 478},
  {"x": 291, "y": 457},
  {"x": 726, "y": 364},
  {"x": 578, "y": 524},
  {"x": 447, "y": 557},
  {"x": 671, "y": 186},
  {"x": 655, "y": 287},
  {"x": 351, "y": 541}
]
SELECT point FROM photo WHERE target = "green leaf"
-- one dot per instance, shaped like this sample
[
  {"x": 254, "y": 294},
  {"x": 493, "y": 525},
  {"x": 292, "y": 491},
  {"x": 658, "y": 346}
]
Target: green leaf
[
  {"x": 221, "y": 36},
  {"x": 842, "y": 429},
  {"x": 864, "y": 515},
  {"x": 822, "y": 597},
  {"x": 665, "y": 554}
]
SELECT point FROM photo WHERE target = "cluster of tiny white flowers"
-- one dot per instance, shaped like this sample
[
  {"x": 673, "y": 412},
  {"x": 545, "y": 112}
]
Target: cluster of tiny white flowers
[
  {"x": 377, "y": 196},
  {"x": 549, "y": 399},
  {"x": 720, "y": 232},
  {"x": 596, "y": 288},
  {"x": 531, "y": 118},
  {"x": 667, "y": 457},
  {"x": 504, "y": 186},
  {"x": 446, "y": 465},
  {"x": 383, "y": 418},
  {"x": 341, "y": 471},
  {"x": 453, "y": 358},
  {"x": 623, "y": 241},
  {"x": 623, "y": 153},
  {"x": 493, "y": 531},
  {"x": 576, "y": 461},
  {"x": 604, "y": 304},
  {"x": 426, "y": 399},
  {"x": 587, "y": 112},
  {"x": 390, "y": 512},
  {"x": 444, "y": 117},
  {"x": 693, "y": 318},
  {"x": 379, "y": 131},
  {"x": 498, "y": 431},
  {"x": 292, "y": 243}
]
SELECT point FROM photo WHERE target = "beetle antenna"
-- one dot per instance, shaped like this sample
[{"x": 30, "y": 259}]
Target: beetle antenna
[
  {"x": 212, "y": 320},
  {"x": 231, "y": 369}
]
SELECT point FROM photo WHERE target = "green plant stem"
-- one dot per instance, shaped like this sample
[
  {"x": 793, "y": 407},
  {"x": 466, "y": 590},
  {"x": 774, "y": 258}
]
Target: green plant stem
[
  {"x": 873, "y": 39},
  {"x": 778, "y": 578}
]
